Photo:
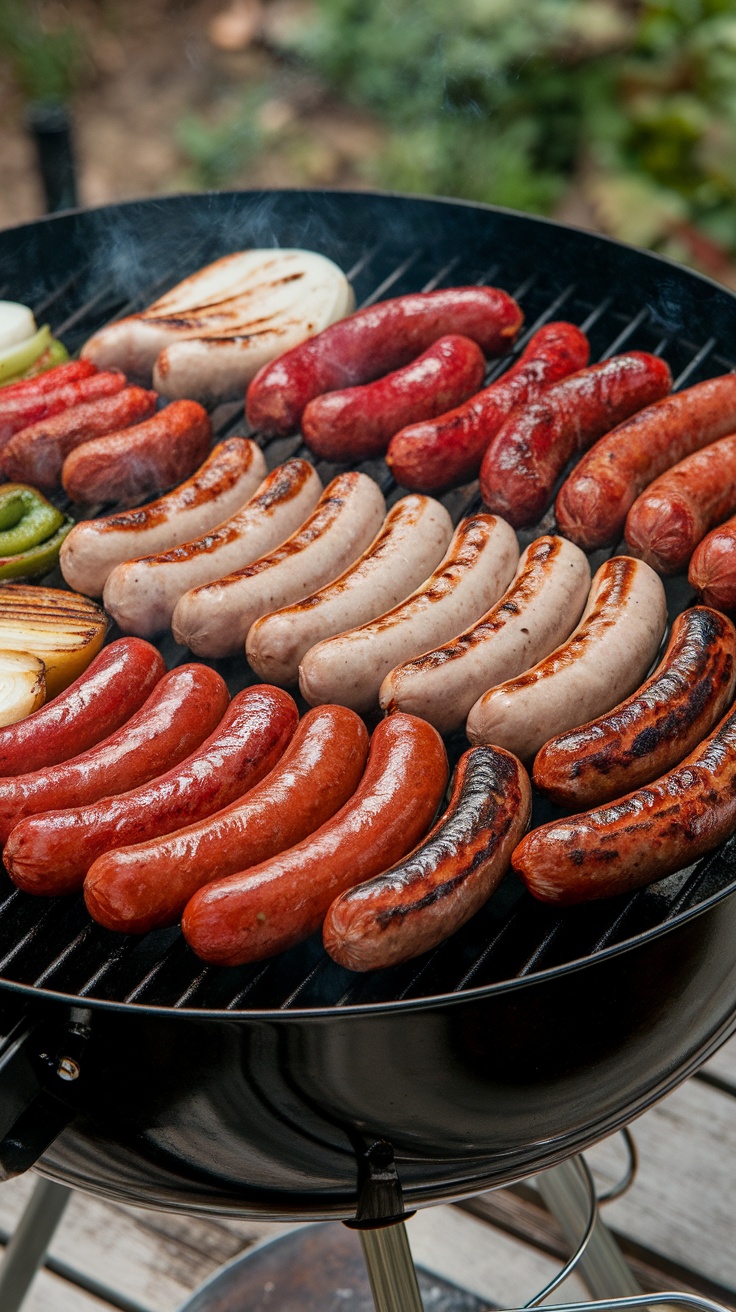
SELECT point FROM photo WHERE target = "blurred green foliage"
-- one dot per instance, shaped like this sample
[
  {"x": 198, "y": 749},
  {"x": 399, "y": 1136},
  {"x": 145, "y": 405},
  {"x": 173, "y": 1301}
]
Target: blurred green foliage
[{"x": 45, "y": 57}]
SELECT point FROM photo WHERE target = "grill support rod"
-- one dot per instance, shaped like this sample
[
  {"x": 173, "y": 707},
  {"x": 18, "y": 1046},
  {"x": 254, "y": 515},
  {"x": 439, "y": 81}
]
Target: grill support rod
[
  {"x": 391, "y": 1269},
  {"x": 602, "y": 1266},
  {"x": 27, "y": 1248}
]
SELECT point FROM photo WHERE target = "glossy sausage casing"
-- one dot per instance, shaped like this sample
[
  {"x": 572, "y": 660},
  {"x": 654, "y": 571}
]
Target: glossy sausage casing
[
  {"x": 656, "y": 727},
  {"x": 373, "y": 342},
  {"x": 275, "y": 904},
  {"x": 182, "y": 710},
  {"x": 113, "y": 687},
  {"x": 50, "y": 854},
  {"x": 713, "y": 567},
  {"x": 141, "y": 460},
  {"x": 443, "y": 882},
  {"x": 26, "y": 409},
  {"x": 443, "y": 452},
  {"x": 135, "y": 889}
]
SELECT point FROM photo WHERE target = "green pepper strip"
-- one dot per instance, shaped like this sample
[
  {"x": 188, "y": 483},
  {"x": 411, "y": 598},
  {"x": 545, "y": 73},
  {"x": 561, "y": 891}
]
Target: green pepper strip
[
  {"x": 39, "y": 560},
  {"x": 26, "y": 518}
]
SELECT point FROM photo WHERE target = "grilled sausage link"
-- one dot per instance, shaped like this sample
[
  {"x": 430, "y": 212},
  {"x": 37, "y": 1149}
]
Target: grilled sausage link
[
  {"x": 135, "y": 889},
  {"x": 214, "y": 620},
  {"x": 182, "y": 710},
  {"x": 441, "y": 453},
  {"x": 372, "y": 342},
  {"x": 50, "y": 854},
  {"x": 229, "y": 476},
  {"x": 350, "y": 667},
  {"x": 30, "y": 408},
  {"x": 642, "y": 837},
  {"x": 603, "y": 661},
  {"x": 593, "y": 503},
  {"x": 443, "y": 882},
  {"x": 713, "y": 567},
  {"x": 412, "y": 540},
  {"x": 359, "y": 422},
  {"x": 536, "y": 613},
  {"x": 275, "y": 904},
  {"x": 113, "y": 687},
  {"x": 653, "y": 729},
  {"x": 141, "y": 594}
]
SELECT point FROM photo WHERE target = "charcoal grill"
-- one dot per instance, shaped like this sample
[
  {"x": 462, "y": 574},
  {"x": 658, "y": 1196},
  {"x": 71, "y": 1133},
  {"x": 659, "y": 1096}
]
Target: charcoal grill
[{"x": 294, "y": 1089}]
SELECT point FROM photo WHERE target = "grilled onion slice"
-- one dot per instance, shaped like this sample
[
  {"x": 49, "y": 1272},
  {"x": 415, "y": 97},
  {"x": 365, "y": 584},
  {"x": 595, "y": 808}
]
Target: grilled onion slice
[
  {"x": 62, "y": 629},
  {"x": 22, "y": 685}
]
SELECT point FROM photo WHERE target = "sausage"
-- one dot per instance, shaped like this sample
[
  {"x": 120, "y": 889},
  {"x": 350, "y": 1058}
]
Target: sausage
[
  {"x": 50, "y": 854},
  {"x": 156, "y": 454},
  {"x": 73, "y": 371},
  {"x": 36, "y": 454},
  {"x": 113, "y": 687},
  {"x": 383, "y": 337},
  {"x": 412, "y": 540},
  {"x": 604, "y": 659},
  {"x": 141, "y": 594},
  {"x": 669, "y": 519},
  {"x": 275, "y": 904},
  {"x": 359, "y": 422},
  {"x": 444, "y": 452},
  {"x": 229, "y": 476},
  {"x": 530, "y": 450},
  {"x": 713, "y": 567},
  {"x": 536, "y": 613},
  {"x": 644, "y": 836},
  {"x": 593, "y": 503},
  {"x": 214, "y": 620},
  {"x": 182, "y": 710},
  {"x": 21, "y": 411},
  {"x": 136, "y": 889},
  {"x": 350, "y": 668},
  {"x": 654, "y": 728},
  {"x": 429, "y": 895}
]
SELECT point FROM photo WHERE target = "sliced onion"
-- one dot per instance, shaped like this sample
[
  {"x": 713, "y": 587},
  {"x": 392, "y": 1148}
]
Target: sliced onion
[
  {"x": 15, "y": 359},
  {"x": 22, "y": 685},
  {"x": 17, "y": 324},
  {"x": 62, "y": 629}
]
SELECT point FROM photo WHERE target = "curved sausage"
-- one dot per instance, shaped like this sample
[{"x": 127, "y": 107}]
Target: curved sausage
[
  {"x": 141, "y": 594},
  {"x": 36, "y": 454},
  {"x": 412, "y": 540},
  {"x": 642, "y": 837},
  {"x": 73, "y": 371},
  {"x": 135, "y": 889},
  {"x": 530, "y": 450},
  {"x": 276, "y": 904},
  {"x": 350, "y": 668},
  {"x": 25, "y": 409},
  {"x": 372, "y": 342},
  {"x": 594, "y": 501},
  {"x": 359, "y": 422},
  {"x": 653, "y": 729},
  {"x": 228, "y": 477},
  {"x": 441, "y": 453},
  {"x": 214, "y": 620},
  {"x": 669, "y": 519},
  {"x": 138, "y": 461},
  {"x": 429, "y": 895},
  {"x": 535, "y": 614},
  {"x": 50, "y": 854},
  {"x": 603, "y": 661},
  {"x": 182, "y": 710},
  {"x": 113, "y": 687},
  {"x": 713, "y": 567}
]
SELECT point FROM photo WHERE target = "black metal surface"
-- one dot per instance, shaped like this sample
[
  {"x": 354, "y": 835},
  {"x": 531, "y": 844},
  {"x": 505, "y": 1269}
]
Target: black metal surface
[{"x": 528, "y": 1034}]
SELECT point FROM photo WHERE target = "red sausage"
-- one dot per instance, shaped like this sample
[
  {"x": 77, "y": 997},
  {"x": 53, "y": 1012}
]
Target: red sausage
[
  {"x": 36, "y": 454},
  {"x": 113, "y": 687},
  {"x": 128, "y": 465},
  {"x": 372, "y": 342},
  {"x": 358, "y": 423},
  {"x": 444, "y": 452},
  {"x": 51, "y": 853},
  {"x": 594, "y": 501},
  {"x": 147, "y": 886},
  {"x": 48, "y": 381},
  {"x": 530, "y": 450},
  {"x": 713, "y": 567},
  {"x": 178, "y": 715},
  {"x": 26, "y": 410},
  {"x": 274, "y": 905}
]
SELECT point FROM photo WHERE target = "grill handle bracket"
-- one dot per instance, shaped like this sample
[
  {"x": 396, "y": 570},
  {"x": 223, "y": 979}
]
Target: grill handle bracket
[{"x": 39, "y": 1073}]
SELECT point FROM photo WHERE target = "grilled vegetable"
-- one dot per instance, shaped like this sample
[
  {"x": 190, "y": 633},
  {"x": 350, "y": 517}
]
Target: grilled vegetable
[
  {"x": 17, "y": 324},
  {"x": 31, "y": 532},
  {"x": 62, "y": 629},
  {"x": 22, "y": 685},
  {"x": 14, "y": 360},
  {"x": 25, "y": 349}
]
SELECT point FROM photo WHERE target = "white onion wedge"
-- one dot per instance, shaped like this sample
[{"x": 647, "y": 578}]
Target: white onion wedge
[
  {"x": 62, "y": 629},
  {"x": 17, "y": 324},
  {"x": 22, "y": 685}
]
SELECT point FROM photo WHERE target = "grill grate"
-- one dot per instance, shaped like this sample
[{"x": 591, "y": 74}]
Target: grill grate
[{"x": 55, "y": 946}]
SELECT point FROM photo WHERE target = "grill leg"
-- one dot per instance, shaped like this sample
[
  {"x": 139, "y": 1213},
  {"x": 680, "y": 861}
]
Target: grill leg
[
  {"x": 602, "y": 1266},
  {"x": 391, "y": 1269},
  {"x": 27, "y": 1248}
]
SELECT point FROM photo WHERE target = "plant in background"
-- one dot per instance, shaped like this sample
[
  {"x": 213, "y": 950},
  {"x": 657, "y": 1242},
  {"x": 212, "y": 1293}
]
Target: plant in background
[{"x": 46, "y": 54}]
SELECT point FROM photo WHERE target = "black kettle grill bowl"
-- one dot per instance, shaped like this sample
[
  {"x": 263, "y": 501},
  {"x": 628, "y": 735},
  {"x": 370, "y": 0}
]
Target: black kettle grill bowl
[{"x": 130, "y": 1070}]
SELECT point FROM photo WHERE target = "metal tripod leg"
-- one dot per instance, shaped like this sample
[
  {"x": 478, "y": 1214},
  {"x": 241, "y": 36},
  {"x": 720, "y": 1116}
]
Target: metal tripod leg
[
  {"x": 31, "y": 1238},
  {"x": 601, "y": 1267},
  {"x": 391, "y": 1269}
]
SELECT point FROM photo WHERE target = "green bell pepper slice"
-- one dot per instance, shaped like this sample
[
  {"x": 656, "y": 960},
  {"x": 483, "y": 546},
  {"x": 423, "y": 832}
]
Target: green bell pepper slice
[
  {"x": 39, "y": 559},
  {"x": 26, "y": 518}
]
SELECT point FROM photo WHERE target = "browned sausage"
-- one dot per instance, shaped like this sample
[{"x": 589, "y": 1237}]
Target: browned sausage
[
  {"x": 156, "y": 454},
  {"x": 713, "y": 567}
]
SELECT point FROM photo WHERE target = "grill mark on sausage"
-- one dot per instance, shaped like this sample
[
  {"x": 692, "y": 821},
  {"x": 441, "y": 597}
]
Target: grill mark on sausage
[{"x": 197, "y": 490}]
